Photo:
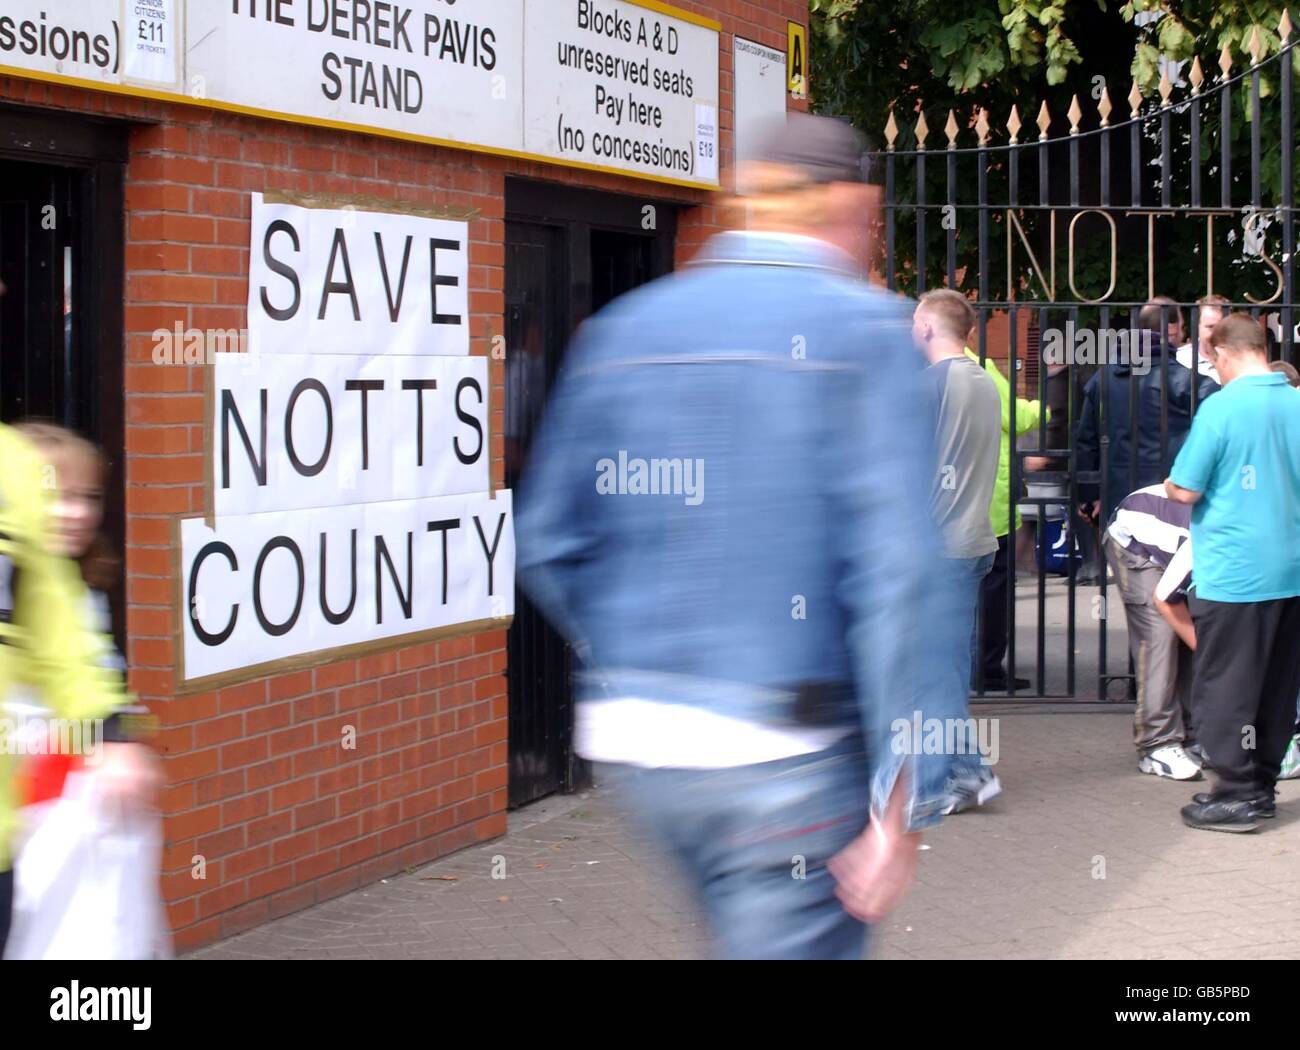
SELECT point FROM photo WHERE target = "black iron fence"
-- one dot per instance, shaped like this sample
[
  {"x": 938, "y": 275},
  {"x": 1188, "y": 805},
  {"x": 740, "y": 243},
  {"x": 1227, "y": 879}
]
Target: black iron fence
[{"x": 1189, "y": 198}]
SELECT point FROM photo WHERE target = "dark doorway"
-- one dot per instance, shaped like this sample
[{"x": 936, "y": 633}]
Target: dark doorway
[
  {"x": 619, "y": 263},
  {"x": 38, "y": 257},
  {"x": 61, "y": 236},
  {"x": 568, "y": 253}
]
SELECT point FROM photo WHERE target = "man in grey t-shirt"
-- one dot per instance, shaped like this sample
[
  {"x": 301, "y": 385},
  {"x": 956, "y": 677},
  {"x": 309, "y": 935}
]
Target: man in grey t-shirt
[{"x": 968, "y": 429}]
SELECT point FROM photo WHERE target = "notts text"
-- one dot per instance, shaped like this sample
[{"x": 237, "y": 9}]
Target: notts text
[{"x": 1253, "y": 242}]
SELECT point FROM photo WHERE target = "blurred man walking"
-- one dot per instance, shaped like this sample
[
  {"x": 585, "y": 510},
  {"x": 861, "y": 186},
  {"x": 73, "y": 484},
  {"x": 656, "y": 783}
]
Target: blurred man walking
[{"x": 752, "y": 647}]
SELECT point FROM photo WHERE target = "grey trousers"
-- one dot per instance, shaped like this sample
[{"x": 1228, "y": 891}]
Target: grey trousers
[{"x": 1163, "y": 663}]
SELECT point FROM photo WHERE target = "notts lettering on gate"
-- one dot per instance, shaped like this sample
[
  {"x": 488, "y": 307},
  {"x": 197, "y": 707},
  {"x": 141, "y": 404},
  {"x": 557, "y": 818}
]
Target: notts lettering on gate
[
  {"x": 1254, "y": 224},
  {"x": 348, "y": 452}
]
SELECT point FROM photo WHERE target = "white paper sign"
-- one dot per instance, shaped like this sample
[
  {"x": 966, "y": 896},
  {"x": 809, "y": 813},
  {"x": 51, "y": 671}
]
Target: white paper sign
[
  {"x": 350, "y": 450},
  {"x": 605, "y": 83},
  {"x": 262, "y": 588},
  {"x": 760, "y": 92},
  {"x": 449, "y": 71},
  {"x": 706, "y": 141},
  {"x": 149, "y": 28},
  {"x": 292, "y": 431},
  {"x": 618, "y": 85},
  {"x": 350, "y": 282}
]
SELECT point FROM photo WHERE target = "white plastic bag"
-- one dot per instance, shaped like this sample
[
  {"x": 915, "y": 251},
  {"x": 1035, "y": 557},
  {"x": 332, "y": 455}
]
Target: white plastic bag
[{"x": 86, "y": 881}]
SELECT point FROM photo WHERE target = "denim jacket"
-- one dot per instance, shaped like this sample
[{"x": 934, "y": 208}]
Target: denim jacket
[{"x": 795, "y": 583}]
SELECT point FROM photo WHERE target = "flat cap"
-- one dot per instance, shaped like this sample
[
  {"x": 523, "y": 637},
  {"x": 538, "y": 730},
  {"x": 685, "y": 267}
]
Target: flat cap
[{"x": 824, "y": 149}]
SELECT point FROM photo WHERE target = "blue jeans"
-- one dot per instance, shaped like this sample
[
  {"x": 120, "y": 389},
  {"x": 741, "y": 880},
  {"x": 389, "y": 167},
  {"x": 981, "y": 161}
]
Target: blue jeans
[
  {"x": 754, "y": 842},
  {"x": 968, "y": 576}
]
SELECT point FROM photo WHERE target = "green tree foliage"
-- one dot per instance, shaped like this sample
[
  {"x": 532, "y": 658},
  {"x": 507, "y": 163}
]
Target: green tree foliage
[
  {"x": 870, "y": 58},
  {"x": 870, "y": 54}
]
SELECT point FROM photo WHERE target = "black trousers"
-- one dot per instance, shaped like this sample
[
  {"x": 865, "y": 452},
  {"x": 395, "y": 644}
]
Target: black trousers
[
  {"x": 993, "y": 615},
  {"x": 1247, "y": 675},
  {"x": 1085, "y": 531},
  {"x": 6, "y": 906}
]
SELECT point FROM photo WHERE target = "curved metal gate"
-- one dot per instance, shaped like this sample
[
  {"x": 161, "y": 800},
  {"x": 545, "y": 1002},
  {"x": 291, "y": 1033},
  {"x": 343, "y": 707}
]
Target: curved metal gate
[{"x": 1193, "y": 195}]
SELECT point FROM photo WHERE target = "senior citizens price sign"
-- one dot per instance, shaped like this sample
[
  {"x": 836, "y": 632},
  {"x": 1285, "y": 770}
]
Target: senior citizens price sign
[
  {"x": 349, "y": 455},
  {"x": 620, "y": 85}
]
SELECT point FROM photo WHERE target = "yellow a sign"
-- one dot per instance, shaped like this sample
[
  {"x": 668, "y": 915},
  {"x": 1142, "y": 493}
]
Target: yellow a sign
[{"x": 797, "y": 60}]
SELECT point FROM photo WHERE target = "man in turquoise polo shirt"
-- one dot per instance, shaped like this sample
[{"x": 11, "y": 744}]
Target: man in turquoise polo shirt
[{"x": 1240, "y": 470}]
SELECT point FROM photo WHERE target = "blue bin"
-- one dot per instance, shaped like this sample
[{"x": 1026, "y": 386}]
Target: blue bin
[{"x": 1056, "y": 545}]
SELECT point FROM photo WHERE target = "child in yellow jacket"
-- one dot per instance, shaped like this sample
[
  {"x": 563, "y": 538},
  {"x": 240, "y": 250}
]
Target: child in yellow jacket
[{"x": 48, "y": 643}]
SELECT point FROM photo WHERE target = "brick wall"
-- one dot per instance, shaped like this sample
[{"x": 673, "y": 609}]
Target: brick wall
[{"x": 257, "y": 784}]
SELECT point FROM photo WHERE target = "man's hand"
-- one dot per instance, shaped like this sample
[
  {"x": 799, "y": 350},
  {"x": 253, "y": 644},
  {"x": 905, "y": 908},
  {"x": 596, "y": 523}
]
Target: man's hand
[
  {"x": 1179, "y": 617},
  {"x": 128, "y": 779},
  {"x": 875, "y": 870}
]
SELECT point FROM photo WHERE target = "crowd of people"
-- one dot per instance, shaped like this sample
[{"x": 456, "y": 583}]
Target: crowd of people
[
  {"x": 752, "y": 664},
  {"x": 1233, "y": 498}
]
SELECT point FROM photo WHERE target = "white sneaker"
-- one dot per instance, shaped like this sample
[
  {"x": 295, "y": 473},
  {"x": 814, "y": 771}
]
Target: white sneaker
[
  {"x": 1172, "y": 762},
  {"x": 967, "y": 791}
]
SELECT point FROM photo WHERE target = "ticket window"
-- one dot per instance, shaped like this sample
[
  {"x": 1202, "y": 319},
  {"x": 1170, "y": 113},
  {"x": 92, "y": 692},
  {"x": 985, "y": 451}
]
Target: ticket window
[{"x": 61, "y": 266}]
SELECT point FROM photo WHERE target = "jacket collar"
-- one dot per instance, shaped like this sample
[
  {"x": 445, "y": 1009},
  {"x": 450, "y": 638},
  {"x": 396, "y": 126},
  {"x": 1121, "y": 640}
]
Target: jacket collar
[{"x": 751, "y": 248}]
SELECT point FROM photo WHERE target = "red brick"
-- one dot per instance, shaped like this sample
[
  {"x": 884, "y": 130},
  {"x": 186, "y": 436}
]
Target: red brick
[
  {"x": 218, "y": 730},
  {"x": 290, "y": 685},
  {"x": 269, "y": 828},
  {"x": 246, "y": 862},
  {"x": 244, "y": 753},
  {"x": 191, "y": 766},
  {"x": 293, "y": 847},
  {"x": 315, "y": 760},
  {"x": 241, "y": 697},
  {"x": 338, "y": 832},
  {"x": 219, "y": 786},
  {"x": 245, "y": 808},
  {"x": 274, "y": 772},
  {"x": 220, "y": 844},
  {"x": 288, "y": 741},
  {"x": 315, "y": 813},
  {"x": 333, "y": 675},
  {"x": 293, "y": 793},
  {"x": 272, "y": 880},
  {"x": 194, "y": 823},
  {"x": 260, "y": 720}
]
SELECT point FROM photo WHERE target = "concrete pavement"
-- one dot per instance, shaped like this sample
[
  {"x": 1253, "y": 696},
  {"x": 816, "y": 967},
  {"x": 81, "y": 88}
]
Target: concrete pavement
[{"x": 1082, "y": 857}]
